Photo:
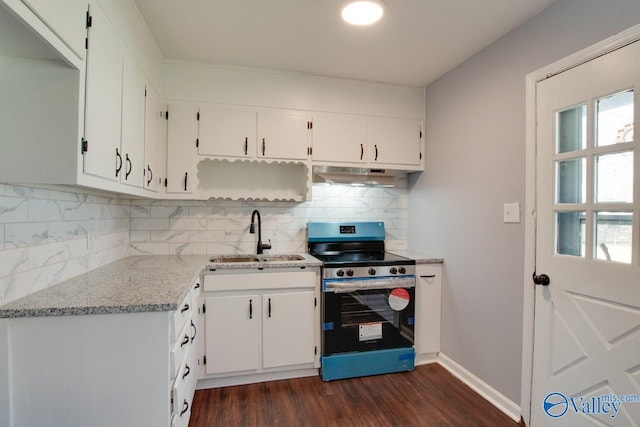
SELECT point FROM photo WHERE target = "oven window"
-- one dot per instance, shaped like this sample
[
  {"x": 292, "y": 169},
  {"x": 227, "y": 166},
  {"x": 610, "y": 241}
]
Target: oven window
[{"x": 370, "y": 307}]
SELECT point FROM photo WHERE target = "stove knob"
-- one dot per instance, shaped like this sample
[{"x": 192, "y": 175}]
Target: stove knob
[
  {"x": 372, "y": 271},
  {"x": 402, "y": 270},
  {"x": 393, "y": 270},
  {"x": 349, "y": 272},
  {"x": 340, "y": 273}
]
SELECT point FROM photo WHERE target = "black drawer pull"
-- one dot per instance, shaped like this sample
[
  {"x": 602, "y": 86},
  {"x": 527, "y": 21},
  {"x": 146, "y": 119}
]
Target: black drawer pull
[
  {"x": 361, "y": 151},
  {"x": 185, "y": 308},
  {"x": 429, "y": 276},
  {"x": 269, "y": 307},
  {"x": 185, "y": 341},
  {"x": 250, "y": 309},
  {"x": 185, "y": 407},
  {"x": 195, "y": 331},
  {"x": 187, "y": 371},
  {"x": 197, "y": 286}
]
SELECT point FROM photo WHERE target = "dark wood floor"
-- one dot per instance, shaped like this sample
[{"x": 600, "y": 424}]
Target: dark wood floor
[{"x": 428, "y": 396}]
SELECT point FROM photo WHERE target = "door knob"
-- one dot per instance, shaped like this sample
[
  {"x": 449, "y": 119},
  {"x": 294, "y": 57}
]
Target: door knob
[{"x": 542, "y": 279}]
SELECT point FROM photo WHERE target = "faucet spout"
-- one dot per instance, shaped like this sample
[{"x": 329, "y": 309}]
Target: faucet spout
[{"x": 252, "y": 229}]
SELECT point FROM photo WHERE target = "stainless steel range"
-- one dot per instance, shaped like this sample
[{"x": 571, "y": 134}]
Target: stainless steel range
[{"x": 368, "y": 299}]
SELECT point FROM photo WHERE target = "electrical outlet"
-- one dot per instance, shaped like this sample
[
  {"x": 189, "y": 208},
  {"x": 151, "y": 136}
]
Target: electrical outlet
[{"x": 511, "y": 213}]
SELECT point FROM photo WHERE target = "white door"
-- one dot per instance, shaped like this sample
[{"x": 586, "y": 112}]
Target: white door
[
  {"x": 226, "y": 132},
  {"x": 394, "y": 141},
  {"x": 288, "y": 332},
  {"x": 586, "y": 361},
  {"x": 339, "y": 139},
  {"x": 283, "y": 135},
  {"x": 232, "y": 337},
  {"x": 181, "y": 148},
  {"x": 103, "y": 106},
  {"x": 155, "y": 141}
]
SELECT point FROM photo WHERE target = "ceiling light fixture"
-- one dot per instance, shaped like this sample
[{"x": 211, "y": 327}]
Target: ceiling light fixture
[{"x": 363, "y": 12}]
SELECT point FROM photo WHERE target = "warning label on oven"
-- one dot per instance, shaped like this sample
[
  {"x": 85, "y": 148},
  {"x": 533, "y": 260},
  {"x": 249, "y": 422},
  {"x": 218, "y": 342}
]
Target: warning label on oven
[
  {"x": 370, "y": 331},
  {"x": 399, "y": 299}
]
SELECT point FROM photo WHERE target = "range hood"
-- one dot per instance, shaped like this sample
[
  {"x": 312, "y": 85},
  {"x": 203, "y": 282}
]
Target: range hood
[{"x": 360, "y": 176}]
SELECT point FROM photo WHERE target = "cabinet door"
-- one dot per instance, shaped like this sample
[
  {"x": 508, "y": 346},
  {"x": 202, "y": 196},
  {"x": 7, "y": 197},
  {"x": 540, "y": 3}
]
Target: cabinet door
[
  {"x": 103, "y": 115},
  {"x": 339, "y": 139},
  {"x": 428, "y": 303},
  {"x": 288, "y": 329},
  {"x": 232, "y": 338},
  {"x": 181, "y": 148},
  {"x": 283, "y": 135},
  {"x": 133, "y": 117},
  {"x": 394, "y": 141},
  {"x": 155, "y": 141},
  {"x": 226, "y": 132},
  {"x": 67, "y": 18}
]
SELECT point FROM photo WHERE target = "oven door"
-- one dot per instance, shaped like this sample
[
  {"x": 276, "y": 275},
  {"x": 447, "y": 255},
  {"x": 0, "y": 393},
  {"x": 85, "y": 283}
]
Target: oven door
[{"x": 367, "y": 314}]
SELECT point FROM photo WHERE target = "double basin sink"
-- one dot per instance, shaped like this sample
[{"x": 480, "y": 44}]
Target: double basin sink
[{"x": 256, "y": 258}]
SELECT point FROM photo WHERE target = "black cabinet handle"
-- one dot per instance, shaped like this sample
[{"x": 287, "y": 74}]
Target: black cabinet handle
[
  {"x": 118, "y": 162},
  {"x": 187, "y": 371},
  {"x": 197, "y": 286},
  {"x": 185, "y": 308},
  {"x": 264, "y": 146},
  {"x": 361, "y": 151},
  {"x": 185, "y": 341},
  {"x": 195, "y": 331},
  {"x": 246, "y": 146},
  {"x": 429, "y": 276},
  {"x": 186, "y": 174},
  {"x": 150, "y": 175},
  {"x": 129, "y": 167},
  {"x": 250, "y": 309},
  {"x": 269, "y": 309},
  {"x": 376, "y": 147},
  {"x": 185, "y": 407}
]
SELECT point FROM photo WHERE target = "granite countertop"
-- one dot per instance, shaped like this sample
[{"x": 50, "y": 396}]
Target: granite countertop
[
  {"x": 306, "y": 261},
  {"x": 419, "y": 257},
  {"x": 133, "y": 284}
]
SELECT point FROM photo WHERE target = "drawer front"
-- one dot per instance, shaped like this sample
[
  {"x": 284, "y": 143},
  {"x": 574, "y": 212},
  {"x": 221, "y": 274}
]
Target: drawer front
[
  {"x": 183, "y": 389},
  {"x": 179, "y": 350},
  {"x": 180, "y": 316},
  {"x": 259, "y": 280}
]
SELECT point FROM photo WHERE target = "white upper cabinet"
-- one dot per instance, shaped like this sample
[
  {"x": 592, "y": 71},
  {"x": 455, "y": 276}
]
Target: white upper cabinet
[
  {"x": 155, "y": 141},
  {"x": 339, "y": 138},
  {"x": 181, "y": 148},
  {"x": 226, "y": 132},
  {"x": 133, "y": 123},
  {"x": 283, "y": 135},
  {"x": 394, "y": 142},
  {"x": 66, "y": 18},
  {"x": 103, "y": 109}
]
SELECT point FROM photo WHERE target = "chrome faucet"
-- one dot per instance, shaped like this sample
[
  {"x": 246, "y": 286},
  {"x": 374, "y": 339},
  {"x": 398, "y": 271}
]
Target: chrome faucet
[{"x": 252, "y": 230}]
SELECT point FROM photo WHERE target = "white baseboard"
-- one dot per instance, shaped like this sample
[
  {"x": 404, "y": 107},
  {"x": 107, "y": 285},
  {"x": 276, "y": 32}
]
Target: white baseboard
[
  {"x": 497, "y": 399},
  {"x": 205, "y": 383},
  {"x": 426, "y": 358}
]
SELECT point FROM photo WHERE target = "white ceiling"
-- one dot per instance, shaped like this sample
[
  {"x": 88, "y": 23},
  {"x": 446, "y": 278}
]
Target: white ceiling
[{"x": 416, "y": 42}]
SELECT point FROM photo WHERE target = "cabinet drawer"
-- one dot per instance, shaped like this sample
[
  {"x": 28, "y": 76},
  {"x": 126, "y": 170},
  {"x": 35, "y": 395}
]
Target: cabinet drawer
[
  {"x": 180, "y": 316},
  {"x": 183, "y": 389},
  {"x": 259, "y": 280},
  {"x": 180, "y": 349}
]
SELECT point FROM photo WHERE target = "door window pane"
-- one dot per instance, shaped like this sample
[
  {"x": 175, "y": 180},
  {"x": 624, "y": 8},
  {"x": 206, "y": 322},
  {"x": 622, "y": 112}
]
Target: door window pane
[
  {"x": 572, "y": 129},
  {"x": 570, "y": 233},
  {"x": 570, "y": 181},
  {"x": 614, "y": 178},
  {"x": 614, "y": 233},
  {"x": 615, "y": 119}
]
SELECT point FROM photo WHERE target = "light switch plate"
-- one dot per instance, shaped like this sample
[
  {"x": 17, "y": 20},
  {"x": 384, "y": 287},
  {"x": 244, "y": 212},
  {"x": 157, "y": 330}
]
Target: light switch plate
[{"x": 512, "y": 213}]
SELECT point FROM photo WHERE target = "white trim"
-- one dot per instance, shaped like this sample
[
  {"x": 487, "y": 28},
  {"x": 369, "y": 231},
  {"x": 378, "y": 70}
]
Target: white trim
[
  {"x": 602, "y": 48},
  {"x": 493, "y": 396},
  {"x": 426, "y": 358},
  {"x": 227, "y": 381}
]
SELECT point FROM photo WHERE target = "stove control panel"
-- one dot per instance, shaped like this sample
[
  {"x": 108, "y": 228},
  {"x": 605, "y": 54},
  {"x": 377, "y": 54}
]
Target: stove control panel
[{"x": 368, "y": 271}]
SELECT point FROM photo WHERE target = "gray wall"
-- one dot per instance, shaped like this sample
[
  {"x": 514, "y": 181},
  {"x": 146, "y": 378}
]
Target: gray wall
[{"x": 475, "y": 161}]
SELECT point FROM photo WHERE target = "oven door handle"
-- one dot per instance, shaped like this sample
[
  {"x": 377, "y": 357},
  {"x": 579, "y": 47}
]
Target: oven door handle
[{"x": 351, "y": 285}]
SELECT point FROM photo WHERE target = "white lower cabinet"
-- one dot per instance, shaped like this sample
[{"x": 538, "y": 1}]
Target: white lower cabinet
[
  {"x": 260, "y": 322},
  {"x": 428, "y": 309}
]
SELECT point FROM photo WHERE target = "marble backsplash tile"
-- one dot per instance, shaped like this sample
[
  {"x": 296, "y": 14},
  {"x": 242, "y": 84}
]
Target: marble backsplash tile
[
  {"x": 210, "y": 227},
  {"x": 50, "y": 235}
]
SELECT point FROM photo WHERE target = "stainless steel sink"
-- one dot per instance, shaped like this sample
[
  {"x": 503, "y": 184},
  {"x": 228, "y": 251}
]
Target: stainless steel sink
[
  {"x": 256, "y": 258},
  {"x": 288, "y": 257},
  {"x": 238, "y": 258}
]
